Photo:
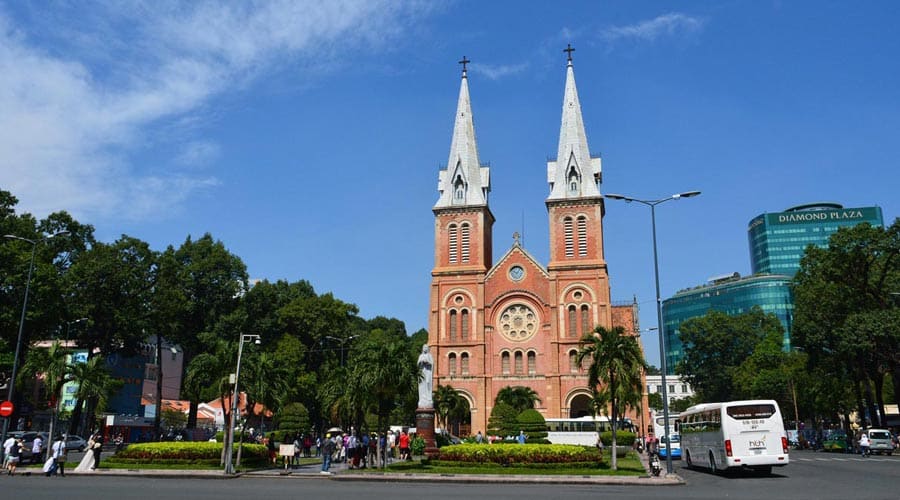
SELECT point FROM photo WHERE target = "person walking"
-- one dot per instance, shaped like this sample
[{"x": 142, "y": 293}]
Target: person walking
[
  {"x": 7, "y": 446},
  {"x": 864, "y": 444},
  {"x": 37, "y": 448},
  {"x": 15, "y": 454},
  {"x": 327, "y": 451},
  {"x": 58, "y": 454}
]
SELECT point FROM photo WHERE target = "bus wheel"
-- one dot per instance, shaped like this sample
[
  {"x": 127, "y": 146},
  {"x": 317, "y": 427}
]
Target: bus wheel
[
  {"x": 687, "y": 460},
  {"x": 712, "y": 464}
]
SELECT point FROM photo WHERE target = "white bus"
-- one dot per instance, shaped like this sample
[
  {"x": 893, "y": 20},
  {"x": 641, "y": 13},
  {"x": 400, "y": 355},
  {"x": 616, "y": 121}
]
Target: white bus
[
  {"x": 736, "y": 434},
  {"x": 582, "y": 430},
  {"x": 659, "y": 431}
]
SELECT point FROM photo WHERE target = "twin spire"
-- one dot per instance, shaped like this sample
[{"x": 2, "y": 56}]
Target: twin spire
[{"x": 574, "y": 174}]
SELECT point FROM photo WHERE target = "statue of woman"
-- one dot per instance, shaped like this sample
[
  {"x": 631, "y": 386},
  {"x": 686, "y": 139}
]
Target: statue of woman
[{"x": 426, "y": 383}]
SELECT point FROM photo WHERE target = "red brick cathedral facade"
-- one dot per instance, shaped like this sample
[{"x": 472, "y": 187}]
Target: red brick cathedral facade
[{"x": 516, "y": 322}]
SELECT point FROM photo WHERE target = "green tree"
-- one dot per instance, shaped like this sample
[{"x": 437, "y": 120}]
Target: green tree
[
  {"x": 847, "y": 315},
  {"x": 294, "y": 419},
  {"x": 447, "y": 402},
  {"x": 614, "y": 374},
  {"x": 519, "y": 397},
  {"x": 503, "y": 421},
  {"x": 385, "y": 370},
  {"x": 266, "y": 382},
  {"x": 95, "y": 385},
  {"x": 534, "y": 425},
  {"x": 716, "y": 344}
]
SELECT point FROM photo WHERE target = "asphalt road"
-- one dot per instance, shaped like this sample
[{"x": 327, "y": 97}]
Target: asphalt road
[{"x": 809, "y": 476}]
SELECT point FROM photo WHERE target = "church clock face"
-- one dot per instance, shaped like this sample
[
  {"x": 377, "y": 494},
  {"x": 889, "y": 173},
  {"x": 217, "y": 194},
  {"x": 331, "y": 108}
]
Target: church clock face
[
  {"x": 516, "y": 273},
  {"x": 518, "y": 322}
]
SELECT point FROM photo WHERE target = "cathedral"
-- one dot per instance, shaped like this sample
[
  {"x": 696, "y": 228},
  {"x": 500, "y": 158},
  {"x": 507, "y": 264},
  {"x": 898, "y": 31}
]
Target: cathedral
[{"x": 516, "y": 322}]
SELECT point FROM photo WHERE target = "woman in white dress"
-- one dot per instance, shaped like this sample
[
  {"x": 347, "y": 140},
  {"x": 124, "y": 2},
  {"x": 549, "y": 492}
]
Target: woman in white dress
[{"x": 87, "y": 463}]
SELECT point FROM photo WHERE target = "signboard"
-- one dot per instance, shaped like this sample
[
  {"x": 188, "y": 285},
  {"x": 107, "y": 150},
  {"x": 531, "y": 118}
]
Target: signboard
[
  {"x": 6, "y": 408},
  {"x": 286, "y": 450}
]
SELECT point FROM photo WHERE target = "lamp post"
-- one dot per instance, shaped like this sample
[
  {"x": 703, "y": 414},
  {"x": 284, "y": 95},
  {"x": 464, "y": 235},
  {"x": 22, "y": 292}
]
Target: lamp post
[
  {"x": 342, "y": 341},
  {"x": 662, "y": 337},
  {"x": 15, "y": 367},
  {"x": 229, "y": 468}
]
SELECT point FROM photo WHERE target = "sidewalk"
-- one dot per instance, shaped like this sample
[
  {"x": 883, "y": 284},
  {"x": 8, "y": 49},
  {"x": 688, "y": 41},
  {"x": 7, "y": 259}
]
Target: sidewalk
[{"x": 340, "y": 472}]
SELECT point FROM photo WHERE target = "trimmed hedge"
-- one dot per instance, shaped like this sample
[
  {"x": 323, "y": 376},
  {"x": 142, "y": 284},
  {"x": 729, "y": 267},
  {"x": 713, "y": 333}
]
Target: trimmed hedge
[
  {"x": 509, "y": 454},
  {"x": 197, "y": 452},
  {"x": 623, "y": 438}
]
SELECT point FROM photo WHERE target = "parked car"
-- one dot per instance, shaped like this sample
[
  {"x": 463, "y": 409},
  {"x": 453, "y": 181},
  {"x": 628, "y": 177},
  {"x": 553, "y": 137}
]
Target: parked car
[
  {"x": 836, "y": 441},
  {"x": 75, "y": 443},
  {"x": 880, "y": 441},
  {"x": 28, "y": 444}
]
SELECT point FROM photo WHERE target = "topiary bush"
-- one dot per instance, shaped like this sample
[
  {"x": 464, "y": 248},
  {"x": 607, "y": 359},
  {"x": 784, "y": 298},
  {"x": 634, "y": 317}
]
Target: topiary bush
[
  {"x": 533, "y": 424},
  {"x": 502, "y": 421},
  {"x": 623, "y": 438}
]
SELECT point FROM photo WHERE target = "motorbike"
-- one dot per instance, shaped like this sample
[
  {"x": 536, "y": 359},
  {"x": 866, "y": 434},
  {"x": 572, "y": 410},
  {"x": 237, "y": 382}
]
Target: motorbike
[{"x": 655, "y": 467}]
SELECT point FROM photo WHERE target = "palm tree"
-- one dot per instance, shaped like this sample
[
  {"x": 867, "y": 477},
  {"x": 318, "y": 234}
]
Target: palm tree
[
  {"x": 446, "y": 403},
  {"x": 385, "y": 371},
  {"x": 614, "y": 374},
  {"x": 52, "y": 363},
  {"x": 266, "y": 383},
  {"x": 520, "y": 398},
  {"x": 95, "y": 384}
]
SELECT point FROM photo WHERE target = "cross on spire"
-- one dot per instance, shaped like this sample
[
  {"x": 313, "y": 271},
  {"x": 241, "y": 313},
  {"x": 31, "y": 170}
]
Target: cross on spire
[
  {"x": 569, "y": 51},
  {"x": 464, "y": 62}
]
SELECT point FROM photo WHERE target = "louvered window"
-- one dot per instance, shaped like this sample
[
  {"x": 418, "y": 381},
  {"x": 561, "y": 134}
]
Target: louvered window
[
  {"x": 452, "y": 364},
  {"x": 585, "y": 320},
  {"x": 519, "y": 363},
  {"x": 504, "y": 363},
  {"x": 464, "y": 324},
  {"x": 454, "y": 243},
  {"x": 464, "y": 363},
  {"x": 532, "y": 363},
  {"x": 582, "y": 236},
  {"x": 464, "y": 243},
  {"x": 453, "y": 326},
  {"x": 573, "y": 323},
  {"x": 567, "y": 231}
]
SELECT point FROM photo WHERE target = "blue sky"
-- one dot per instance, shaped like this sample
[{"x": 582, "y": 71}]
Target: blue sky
[{"x": 307, "y": 136}]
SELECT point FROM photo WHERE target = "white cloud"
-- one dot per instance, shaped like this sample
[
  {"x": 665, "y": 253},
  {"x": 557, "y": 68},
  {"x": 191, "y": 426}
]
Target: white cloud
[
  {"x": 648, "y": 31},
  {"x": 496, "y": 72},
  {"x": 81, "y": 94}
]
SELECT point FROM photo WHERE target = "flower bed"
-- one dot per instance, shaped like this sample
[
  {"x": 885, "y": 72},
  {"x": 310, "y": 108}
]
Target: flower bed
[
  {"x": 520, "y": 454},
  {"x": 188, "y": 453}
]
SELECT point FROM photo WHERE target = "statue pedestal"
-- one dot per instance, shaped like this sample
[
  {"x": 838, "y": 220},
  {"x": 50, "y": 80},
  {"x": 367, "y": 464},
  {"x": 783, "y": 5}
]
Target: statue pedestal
[{"x": 425, "y": 430}]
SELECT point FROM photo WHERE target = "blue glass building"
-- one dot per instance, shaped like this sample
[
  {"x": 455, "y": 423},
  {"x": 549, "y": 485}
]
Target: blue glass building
[
  {"x": 731, "y": 295},
  {"x": 778, "y": 240}
]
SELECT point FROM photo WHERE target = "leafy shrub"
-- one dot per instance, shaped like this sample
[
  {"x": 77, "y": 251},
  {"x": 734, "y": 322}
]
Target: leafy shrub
[
  {"x": 417, "y": 446},
  {"x": 502, "y": 421},
  {"x": 623, "y": 438},
  {"x": 196, "y": 452},
  {"x": 509, "y": 454},
  {"x": 535, "y": 427},
  {"x": 293, "y": 419}
]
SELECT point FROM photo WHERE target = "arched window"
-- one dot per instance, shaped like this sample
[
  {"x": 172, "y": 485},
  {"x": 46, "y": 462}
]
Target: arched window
[
  {"x": 459, "y": 190},
  {"x": 504, "y": 363},
  {"x": 585, "y": 319},
  {"x": 573, "y": 364},
  {"x": 573, "y": 323},
  {"x": 519, "y": 367},
  {"x": 452, "y": 325},
  {"x": 464, "y": 242},
  {"x": 453, "y": 239},
  {"x": 464, "y": 363},
  {"x": 582, "y": 236},
  {"x": 464, "y": 324},
  {"x": 532, "y": 363},
  {"x": 573, "y": 180},
  {"x": 452, "y": 363},
  {"x": 567, "y": 233}
]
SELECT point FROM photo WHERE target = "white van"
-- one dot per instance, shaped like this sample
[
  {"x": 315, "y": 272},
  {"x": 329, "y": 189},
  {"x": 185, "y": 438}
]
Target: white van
[{"x": 879, "y": 441}]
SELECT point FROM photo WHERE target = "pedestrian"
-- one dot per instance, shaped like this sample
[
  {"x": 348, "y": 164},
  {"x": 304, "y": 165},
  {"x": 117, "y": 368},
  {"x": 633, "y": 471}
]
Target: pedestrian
[
  {"x": 521, "y": 437},
  {"x": 327, "y": 451},
  {"x": 96, "y": 448},
  {"x": 864, "y": 444},
  {"x": 37, "y": 448},
  {"x": 7, "y": 446},
  {"x": 15, "y": 454},
  {"x": 404, "y": 446},
  {"x": 270, "y": 445},
  {"x": 479, "y": 438},
  {"x": 59, "y": 453},
  {"x": 295, "y": 460}
]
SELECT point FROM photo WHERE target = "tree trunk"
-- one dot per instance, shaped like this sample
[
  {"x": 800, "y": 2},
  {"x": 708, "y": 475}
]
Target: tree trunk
[{"x": 878, "y": 382}]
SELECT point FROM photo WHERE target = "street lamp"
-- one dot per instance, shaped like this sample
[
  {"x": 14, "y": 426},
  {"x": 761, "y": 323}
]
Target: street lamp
[
  {"x": 15, "y": 367},
  {"x": 342, "y": 341},
  {"x": 229, "y": 468},
  {"x": 662, "y": 337}
]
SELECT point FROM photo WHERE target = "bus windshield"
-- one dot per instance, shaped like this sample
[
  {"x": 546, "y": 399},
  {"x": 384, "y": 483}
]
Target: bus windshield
[{"x": 744, "y": 412}]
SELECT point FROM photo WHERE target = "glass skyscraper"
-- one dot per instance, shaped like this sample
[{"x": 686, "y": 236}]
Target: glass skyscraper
[
  {"x": 778, "y": 240},
  {"x": 731, "y": 295}
]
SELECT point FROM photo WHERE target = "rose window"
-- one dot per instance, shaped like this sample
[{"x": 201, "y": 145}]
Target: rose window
[{"x": 518, "y": 322}]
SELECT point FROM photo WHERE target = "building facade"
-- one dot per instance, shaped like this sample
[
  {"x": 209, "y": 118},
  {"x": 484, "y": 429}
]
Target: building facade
[
  {"x": 777, "y": 240},
  {"x": 678, "y": 387},
  {"x": 516, "y": 322},
  {"x": 732, "y": 295}
]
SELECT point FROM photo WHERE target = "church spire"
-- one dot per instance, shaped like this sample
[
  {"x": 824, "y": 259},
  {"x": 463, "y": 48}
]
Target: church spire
[
  {"x": 464, "y": 182},
  {"x": 574, "y": 174}
]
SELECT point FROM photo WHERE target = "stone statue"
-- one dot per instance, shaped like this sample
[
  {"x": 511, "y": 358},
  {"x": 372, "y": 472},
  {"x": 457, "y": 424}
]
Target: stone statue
[{"x": 426, "y": 382}]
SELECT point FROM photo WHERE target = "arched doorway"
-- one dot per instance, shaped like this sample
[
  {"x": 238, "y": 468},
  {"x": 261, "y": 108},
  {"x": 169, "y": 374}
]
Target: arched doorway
[{"x": 580, "y": 406}]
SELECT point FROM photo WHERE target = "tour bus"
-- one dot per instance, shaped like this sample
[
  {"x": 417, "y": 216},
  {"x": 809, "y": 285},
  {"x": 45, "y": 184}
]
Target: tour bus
[
  {"x": 659, "y": 431},
  {"x": 582, "y": 430},
  {"x": 736, "y": 434}
]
